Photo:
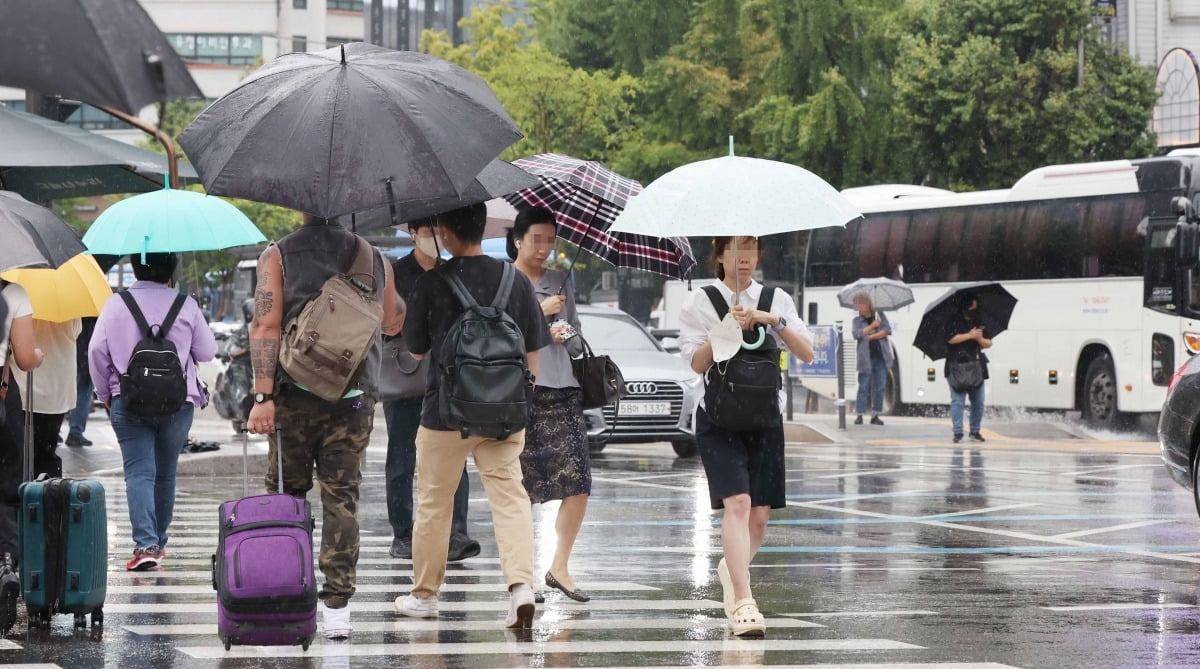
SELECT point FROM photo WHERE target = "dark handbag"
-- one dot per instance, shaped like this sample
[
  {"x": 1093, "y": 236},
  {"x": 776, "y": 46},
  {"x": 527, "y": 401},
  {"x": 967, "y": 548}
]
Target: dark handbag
[
  {"x": 401, "y": 376},
  {"x": 965, "y": 373},
  {"x": 742, "y": 394},
  {"x": 600, "y": 380}
]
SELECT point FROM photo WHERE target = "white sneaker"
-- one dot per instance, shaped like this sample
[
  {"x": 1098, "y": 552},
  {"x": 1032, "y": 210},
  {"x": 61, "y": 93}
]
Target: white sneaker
[
  {"x": 416, "y": 607},
  {"x": 336, "y": 622},
  {"x": 520, "y": 608}
]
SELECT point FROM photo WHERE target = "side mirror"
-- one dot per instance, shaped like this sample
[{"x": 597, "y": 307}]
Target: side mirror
[{"x": 1186, "y": 239}]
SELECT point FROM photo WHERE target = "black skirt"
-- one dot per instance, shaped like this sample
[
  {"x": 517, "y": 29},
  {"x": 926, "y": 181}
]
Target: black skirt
[{"x": 556, "y": 463}]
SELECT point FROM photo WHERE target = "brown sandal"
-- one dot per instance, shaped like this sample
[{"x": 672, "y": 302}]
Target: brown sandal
[{"x": 746, "y": 620}]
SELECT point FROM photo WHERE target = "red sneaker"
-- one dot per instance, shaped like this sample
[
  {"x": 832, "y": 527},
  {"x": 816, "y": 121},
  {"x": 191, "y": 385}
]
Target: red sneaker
[{"x": 144, "y": 559}]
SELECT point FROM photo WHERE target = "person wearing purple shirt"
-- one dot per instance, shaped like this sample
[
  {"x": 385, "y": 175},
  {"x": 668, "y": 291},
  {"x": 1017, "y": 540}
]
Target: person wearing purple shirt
[{"x": 150, "y": 445}]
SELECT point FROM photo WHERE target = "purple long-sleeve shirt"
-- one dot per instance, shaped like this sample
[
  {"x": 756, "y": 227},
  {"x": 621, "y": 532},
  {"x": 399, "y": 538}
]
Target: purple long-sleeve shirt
[{"x": 117, "y": 333}]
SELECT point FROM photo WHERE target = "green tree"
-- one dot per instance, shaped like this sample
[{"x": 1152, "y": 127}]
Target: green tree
[
  {"x": 624, "y": 35},
  {"x": 989, "y": 89}
]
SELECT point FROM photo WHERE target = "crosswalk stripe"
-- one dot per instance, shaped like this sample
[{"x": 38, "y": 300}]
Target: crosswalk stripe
[
  {"x": 597, "y": 586},
  {"x": 358, "y": 606},
  {"x": 216, "y": 652},
  {"x": 206, "y": 574},
  {"x": 420, "y": 626}
]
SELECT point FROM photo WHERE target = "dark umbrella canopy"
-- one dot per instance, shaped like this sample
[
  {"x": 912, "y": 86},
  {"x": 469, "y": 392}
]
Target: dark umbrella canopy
[
  {"x": 349, "y": 129},
  {"x": 33, "y": 236},
  {"x": 586, "y": 198},
  {"x": 103, "y": 52},
  {"x": 995, "y": 309},
  {"x": 43, "y": 159},
  {"x": 497, "y": 179}
]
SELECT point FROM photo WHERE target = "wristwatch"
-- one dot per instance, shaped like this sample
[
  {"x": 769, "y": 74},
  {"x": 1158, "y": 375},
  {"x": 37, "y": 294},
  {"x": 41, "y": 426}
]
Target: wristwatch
[
  {"x": 781, "y": 326},
  {"x": 259, "y": 398}
]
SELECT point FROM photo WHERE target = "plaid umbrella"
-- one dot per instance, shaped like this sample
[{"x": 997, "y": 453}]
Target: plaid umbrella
[{"x": 586, "y": 198}]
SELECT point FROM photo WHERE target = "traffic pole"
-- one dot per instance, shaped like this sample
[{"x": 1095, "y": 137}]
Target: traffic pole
[{"x": 841, "y": 377}]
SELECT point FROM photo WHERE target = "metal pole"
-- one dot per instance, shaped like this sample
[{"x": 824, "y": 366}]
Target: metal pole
[{"x": 841, "y": 377}]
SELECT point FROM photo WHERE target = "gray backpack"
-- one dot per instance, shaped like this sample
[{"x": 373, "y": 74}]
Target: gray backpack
[{"x": 485, "y": 388}]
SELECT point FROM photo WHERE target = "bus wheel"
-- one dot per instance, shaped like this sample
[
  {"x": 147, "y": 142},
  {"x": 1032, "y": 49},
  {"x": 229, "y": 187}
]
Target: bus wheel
[{"x": 1099, "y": 406}]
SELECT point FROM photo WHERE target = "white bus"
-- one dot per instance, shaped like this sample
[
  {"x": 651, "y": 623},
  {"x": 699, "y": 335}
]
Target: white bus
[{"x": 1108, "y": 298}]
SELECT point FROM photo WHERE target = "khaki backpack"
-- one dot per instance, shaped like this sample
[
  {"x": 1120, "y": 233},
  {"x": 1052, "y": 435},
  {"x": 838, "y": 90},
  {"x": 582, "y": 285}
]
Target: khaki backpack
[{"x": 324, "y": 346}]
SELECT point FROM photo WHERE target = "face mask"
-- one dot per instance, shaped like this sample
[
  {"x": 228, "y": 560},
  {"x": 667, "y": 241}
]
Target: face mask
[
  {"x": 427, "y": 246},
  {"x": 726, "y": 339}
]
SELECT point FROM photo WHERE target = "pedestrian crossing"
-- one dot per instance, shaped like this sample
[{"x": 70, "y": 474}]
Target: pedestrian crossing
[{"x": 634, "y": 617}]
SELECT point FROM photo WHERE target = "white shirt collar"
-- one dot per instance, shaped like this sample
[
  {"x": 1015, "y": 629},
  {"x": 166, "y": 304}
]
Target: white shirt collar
[{"x": 747, "y": 296}]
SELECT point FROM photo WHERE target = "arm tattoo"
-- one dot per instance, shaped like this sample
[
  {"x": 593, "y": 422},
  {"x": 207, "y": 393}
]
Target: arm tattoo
[
  {"x": 264, "y": 301},
  {"x": 264, "y": 355}
]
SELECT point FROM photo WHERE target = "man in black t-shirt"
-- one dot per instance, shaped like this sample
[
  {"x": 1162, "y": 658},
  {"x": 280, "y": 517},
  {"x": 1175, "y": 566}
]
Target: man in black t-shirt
[
  {"x": 403, "y": 417},
  {"x": 441, "y": 452},
  {"x": 965, "y": 339}
]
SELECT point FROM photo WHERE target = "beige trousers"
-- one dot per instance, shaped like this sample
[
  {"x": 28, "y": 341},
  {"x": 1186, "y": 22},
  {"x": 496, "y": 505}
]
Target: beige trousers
[{"x": 441, "y": 456}]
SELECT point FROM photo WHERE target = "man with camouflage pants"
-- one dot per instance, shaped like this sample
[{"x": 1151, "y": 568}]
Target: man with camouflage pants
[{"x": 333, "y": 435}]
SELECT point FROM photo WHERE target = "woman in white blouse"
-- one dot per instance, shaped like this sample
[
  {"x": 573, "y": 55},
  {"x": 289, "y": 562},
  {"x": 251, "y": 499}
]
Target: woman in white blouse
[{"x": 745, "y": 468}]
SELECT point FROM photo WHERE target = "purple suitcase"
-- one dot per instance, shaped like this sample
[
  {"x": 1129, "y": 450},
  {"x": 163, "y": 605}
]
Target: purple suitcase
[{"x": 263, "y": 569}]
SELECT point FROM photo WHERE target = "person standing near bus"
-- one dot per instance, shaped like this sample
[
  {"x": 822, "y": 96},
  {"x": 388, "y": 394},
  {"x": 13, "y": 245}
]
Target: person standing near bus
[
  {"x": 745, "y": 468},
  {"x": 965, "y": 339},
  {"x": 871, "y": 330}
]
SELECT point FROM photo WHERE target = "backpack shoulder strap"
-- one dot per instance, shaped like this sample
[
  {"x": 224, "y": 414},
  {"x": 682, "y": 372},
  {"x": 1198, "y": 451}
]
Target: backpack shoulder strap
[
  {"x": 138, "y": 317},
  {"x": 456, "y": 286},
  {"x": 506, "y": 283},
  {"x": 765, "y": 298},
  {"x": 718, "y": 301},
  {"x": 172, "y": 314}
]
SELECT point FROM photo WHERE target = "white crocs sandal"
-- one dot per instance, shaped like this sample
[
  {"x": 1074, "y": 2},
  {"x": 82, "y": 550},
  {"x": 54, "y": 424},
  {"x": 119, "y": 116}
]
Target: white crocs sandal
[{"x": 746, "y": 620}]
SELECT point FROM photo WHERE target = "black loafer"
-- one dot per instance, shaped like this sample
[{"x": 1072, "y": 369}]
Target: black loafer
[
  {"x": 577, "y": 595},
  {"x": 462, "y": 547}
]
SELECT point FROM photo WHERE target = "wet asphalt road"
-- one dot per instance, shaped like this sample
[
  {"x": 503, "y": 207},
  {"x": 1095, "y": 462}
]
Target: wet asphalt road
[{"x": 1041, "y": 548}]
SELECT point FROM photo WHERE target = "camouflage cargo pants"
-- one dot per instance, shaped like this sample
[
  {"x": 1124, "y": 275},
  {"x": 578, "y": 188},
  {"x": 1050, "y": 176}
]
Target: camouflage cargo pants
[{"x": 333, "y": 437}]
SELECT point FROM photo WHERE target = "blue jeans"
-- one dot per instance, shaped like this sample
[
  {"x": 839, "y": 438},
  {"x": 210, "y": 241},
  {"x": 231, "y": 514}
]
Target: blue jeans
[
  {"x": 77, "y": 418},
  {"x": 874, "y": 381},
  {"x": 956, "y": 408},
  {"x": 150, "y": 447},
  {"x": 403, "y": 418}
]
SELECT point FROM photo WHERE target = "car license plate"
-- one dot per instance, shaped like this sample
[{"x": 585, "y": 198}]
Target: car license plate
[{"x": 645, "y": 409}]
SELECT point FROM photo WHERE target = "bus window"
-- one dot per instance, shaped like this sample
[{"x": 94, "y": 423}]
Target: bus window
[
  {"x": 948, "y": 250},
  {"x": 918, "y": 254},
  {"x": 829, "y": 259},
  {"x": 1111, "y": 244},
  {"x": 897, "y": 235},
  {"x": 1008, "y": 262},
  {"x": 1052, "y": 240},
  {"x": 976, "y": 253},
  {"x": 872, "y": 246}
]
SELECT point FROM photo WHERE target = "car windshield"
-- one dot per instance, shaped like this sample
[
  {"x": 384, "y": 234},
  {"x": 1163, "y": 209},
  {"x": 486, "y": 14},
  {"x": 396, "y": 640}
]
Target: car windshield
[{"x": 616, "y": 333}]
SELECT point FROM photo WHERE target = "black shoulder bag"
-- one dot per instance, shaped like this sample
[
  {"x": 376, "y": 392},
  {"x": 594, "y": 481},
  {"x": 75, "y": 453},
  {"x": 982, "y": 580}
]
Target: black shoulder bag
[
  {"x": 600, "y": 380},
  {"x": 742, "y": 393},
  {"x": 965, "y": 373}
]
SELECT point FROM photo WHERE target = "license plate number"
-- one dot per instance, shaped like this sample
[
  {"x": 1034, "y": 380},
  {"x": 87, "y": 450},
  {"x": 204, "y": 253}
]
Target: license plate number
[{"x": 645, "y": 409}]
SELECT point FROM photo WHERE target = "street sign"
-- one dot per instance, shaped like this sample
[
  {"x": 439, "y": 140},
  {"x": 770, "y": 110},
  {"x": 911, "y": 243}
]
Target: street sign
[{"x": 825, "y": 354}]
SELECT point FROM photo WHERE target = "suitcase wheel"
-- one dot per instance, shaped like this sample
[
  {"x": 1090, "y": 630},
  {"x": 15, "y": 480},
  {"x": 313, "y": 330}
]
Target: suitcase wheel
[
  {"x": 44, "y": 620},
  {"x": 305, "y": 642},
  {"x": 80, "y": 621},
  {"x": 227, "y": 641},
  {"x": 97, "y": 617}
]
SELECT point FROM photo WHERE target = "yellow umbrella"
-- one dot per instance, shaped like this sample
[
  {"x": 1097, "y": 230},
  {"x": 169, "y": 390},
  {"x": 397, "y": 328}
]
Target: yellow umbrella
[{"x": 76, "y": 289}]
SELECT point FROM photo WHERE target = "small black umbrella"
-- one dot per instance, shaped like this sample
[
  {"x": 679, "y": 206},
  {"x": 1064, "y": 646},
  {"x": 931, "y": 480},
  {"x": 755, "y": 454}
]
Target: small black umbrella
[
  {"x": 33, "y": 236},
  {"x": 995, "y": 309},
  {"x": 43, "y": 159},
  {"x": 349, "y": 129},
  {"x": 103, "y": 52},
  {"x": 497, "y": 179}
]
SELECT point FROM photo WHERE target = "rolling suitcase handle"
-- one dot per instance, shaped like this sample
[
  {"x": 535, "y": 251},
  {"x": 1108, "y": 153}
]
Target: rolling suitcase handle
[
  {"x": 27, "y": 451},
  {"x": 246, "y": 458}
]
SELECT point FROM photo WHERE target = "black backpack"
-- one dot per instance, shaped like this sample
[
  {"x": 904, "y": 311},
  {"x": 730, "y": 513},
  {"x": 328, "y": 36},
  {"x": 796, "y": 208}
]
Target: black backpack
[
  {"x": 154, "y": 384},
  {"x": 485, "y": 387},
  {"x": 742, "y": 393}
]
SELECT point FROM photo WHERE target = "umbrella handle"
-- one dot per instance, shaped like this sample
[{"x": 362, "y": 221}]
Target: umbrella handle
[{"x": 762, "y": 337}]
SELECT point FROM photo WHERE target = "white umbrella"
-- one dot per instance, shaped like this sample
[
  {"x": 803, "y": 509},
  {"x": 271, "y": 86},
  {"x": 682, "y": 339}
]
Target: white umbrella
[
  {"x": 733, "y": 195},
  {"x": 883, "y": 292}
]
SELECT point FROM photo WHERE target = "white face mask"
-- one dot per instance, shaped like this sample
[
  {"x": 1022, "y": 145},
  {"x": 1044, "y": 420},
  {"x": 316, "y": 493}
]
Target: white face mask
[
  {"x": 726, "y": 339},
  {"x": 426, "y": 245}
]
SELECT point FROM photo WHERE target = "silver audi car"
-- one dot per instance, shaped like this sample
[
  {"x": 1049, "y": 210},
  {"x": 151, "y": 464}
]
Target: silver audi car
[{"x": 662, "y": 390}]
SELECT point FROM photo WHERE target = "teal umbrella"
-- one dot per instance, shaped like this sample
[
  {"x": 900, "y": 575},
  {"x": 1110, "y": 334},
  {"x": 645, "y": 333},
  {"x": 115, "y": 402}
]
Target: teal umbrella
[{"x": 170, "y": 221}]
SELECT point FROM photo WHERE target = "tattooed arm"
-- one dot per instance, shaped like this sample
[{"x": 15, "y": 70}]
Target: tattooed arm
[{"x": 264, "y": 336}]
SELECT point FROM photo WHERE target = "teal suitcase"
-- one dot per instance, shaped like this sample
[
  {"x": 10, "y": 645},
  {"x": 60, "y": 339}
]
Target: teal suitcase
[{"x": 63, "y": 554}]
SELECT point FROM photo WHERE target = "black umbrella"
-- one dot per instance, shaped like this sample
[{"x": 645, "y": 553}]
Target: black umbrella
[
  {"x": 103, "y": 52},
  {"x": 43, "y": 160},
  {"x": 995, "y": 309},
  {"x": 33, "y": 236},
  {"x": 349, "y": 129},
  {"x": 497, "y": 179}
]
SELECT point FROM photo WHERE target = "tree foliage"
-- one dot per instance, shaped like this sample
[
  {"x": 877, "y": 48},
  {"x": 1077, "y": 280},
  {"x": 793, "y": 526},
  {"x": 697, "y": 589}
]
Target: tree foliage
[{"x": 990, "y": 89}]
